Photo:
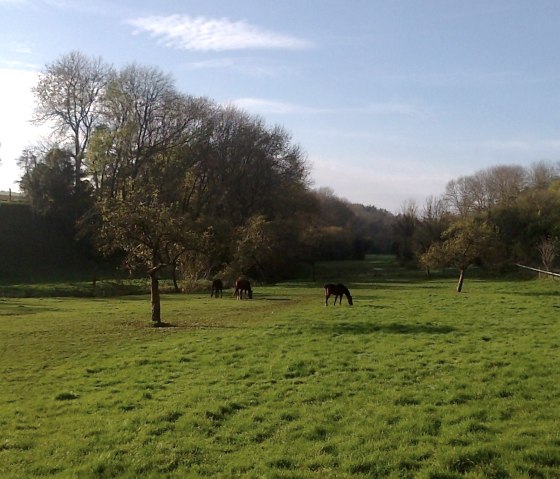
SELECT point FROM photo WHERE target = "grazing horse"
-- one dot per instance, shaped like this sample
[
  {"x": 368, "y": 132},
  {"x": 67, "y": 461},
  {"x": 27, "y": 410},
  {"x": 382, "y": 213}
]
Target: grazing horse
[
  {"x": 217, "y": 287},
  {"x": 337, "y": 290},
  {"x": 243, "y": 285}
]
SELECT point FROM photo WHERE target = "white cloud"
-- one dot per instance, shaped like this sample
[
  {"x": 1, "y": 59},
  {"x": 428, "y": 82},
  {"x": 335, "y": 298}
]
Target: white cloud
[
  {"x": 17, "y": 65},
  {"x": 248, "y": 66},
  {"x": 20, "y": 47},
  {"x": 262, "y": 106},
  {"x": 219, "y": 63},
  {"x": 517, "y": 145},
  {"x": 394, "y": 108},
  {"x": 202, "y": 34}
]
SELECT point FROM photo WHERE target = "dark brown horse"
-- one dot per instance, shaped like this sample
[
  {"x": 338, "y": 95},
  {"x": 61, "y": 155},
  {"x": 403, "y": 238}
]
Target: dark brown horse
[
  {"x": 243, "y": 285},
  {"x": 338, "y": 290},
  {"x": 217, "y": 287}
]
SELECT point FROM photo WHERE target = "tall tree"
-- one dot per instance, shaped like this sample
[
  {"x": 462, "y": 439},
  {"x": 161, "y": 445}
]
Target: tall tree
[
  {"x": 548, "y": 250},
  {"x": 67, "y": 96},
  {"x": 144, "y": 119},
  {"x": 405, "y": 230},
  {"x": 48, "y": 182},
  {"x": 139, "y": 165}
]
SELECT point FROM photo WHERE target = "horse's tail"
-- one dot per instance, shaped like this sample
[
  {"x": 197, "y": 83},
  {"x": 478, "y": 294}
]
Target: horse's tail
[{"x": 348, "y": 296}]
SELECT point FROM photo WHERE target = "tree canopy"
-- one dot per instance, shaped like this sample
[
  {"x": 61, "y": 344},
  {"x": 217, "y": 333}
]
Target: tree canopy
[{"x": 176, "y": 183}]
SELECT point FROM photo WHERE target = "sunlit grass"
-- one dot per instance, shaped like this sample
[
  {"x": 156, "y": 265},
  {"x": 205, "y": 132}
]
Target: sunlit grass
[{"x": 412, "y": 381}]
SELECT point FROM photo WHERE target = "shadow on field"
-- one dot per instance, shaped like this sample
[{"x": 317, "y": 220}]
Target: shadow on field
[
  {"x": 535, "y": 293},
  {"x": 394, "y": 328}
]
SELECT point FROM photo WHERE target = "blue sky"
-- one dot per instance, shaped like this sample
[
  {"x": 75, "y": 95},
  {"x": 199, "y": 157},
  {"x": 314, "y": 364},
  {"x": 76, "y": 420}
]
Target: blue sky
[{"x": 390, "y": 99}]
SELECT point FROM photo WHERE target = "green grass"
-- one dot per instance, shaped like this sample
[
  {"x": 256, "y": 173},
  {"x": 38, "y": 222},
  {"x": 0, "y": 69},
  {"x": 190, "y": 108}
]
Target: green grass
[{"x": 413, "y": 381}]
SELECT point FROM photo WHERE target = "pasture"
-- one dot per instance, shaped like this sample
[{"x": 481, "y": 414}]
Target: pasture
[{"x": 412, "y": 381}]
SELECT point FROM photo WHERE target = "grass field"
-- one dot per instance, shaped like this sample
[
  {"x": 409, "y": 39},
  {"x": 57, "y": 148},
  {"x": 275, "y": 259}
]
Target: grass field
[{"x": 413, "y": 381}]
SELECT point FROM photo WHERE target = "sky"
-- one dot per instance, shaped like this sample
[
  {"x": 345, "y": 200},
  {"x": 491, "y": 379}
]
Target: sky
[{"x": 389, "y": 99}]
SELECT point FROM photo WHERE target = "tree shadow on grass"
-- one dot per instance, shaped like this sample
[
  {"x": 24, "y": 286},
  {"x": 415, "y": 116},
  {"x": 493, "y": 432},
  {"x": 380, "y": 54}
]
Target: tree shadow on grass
[
  {"x": 163, "y": 324},
  {"x": 363, "y": 327},
  {"x": 535, "y": 293}
]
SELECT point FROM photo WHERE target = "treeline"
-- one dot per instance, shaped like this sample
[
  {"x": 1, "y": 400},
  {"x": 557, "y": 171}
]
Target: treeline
[
  {"x": 496, "y": 217},
  {"x": 159, "y": 179}
]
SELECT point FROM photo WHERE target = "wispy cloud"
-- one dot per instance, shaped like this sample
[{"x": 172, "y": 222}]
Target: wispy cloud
[
  {"x": 393, "y": 108},
  {"x": 19, "y": 47},
  {"x": 206, "y": 34},
  {"x": 18, "y": 65},
  {"x": 522, "y": 145},
  {"x": 247, "y": 66},
  {"x": 262, "y": 106}
]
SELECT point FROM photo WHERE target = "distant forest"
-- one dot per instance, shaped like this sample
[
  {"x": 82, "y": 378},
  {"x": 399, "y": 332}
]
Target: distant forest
[{"x": 147, "y": 177}]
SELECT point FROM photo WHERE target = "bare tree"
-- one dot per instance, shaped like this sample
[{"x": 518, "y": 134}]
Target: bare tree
[
  {"x": 67, "y": 96},
  {"x": 541, "y": 174},
  {"x": 485, "y": 189},
  {"x": 505, "y": 183},
  {"x": 548, "y": 249}
]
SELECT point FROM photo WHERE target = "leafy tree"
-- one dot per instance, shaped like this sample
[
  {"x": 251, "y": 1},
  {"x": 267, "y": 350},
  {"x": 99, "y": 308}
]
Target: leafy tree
[
  {"x": 140, "y": 170},
  {"x": 179, "y": 182},
  {"x": 28, "y": 160},
  {"x": 49, "y": 184},
  {"x": 465, "y": 242},
  {"x": 150, "y": 234},
  {"x": 374, "y": 227},
  {"x": 338, "y": 233},
  {"x": 405, "y": 231},
  {"x": 534, "y": 215},
  {"x": 249, "y": 169}
]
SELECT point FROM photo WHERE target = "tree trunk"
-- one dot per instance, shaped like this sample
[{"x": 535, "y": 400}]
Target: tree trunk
[
  {"x": 461, "y": 280},
  {"x": 175, "y": 283},
  {"x": 156, "y": 303}
]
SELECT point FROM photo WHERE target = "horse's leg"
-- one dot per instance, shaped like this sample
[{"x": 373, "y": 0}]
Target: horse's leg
[{"x": 327, "y": 299}]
